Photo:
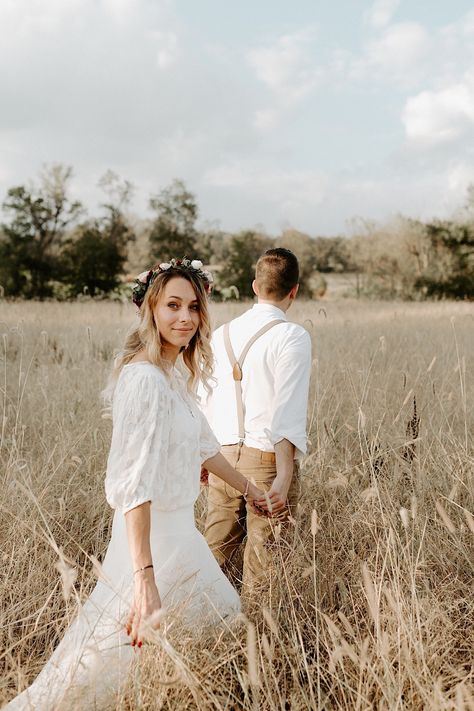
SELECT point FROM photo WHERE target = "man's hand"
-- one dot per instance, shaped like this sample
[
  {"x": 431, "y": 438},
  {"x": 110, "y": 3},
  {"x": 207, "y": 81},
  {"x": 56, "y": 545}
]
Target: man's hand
[{"x": 274, "y": 501}]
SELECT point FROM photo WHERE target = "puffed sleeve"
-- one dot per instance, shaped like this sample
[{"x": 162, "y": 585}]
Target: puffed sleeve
[
  {"x": 208, "y": 444},
  {"x": 140, "y": 438}
]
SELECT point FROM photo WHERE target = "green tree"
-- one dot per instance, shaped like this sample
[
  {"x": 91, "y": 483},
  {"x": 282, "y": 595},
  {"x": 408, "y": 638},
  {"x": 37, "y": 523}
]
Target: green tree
[
  {"x": 239, "y": 267},
  {"x": 95, "y": 256},
  {"x": 449, "y": 272},
  {"x": 385, "y": 260},
  {"x": 331, "y": 254},
  {"x": 173, "y": 232},
  {"x": 212, "y": 245},
  {"x": 31, "y": 242}
]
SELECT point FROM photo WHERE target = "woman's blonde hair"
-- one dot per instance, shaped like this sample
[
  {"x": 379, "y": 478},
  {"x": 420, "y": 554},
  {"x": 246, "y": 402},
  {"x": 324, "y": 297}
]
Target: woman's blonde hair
[{"x": 197, "y": 356}]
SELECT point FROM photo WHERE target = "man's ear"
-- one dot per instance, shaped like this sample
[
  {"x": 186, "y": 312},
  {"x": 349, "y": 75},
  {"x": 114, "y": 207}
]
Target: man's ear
[
  {"x": 293, "y": 292},
  {"x": 255, "y": 287}
]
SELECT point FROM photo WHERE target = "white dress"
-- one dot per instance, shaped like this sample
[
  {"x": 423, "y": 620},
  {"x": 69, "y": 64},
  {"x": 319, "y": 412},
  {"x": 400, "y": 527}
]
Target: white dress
[{"x": 160, "y": 437}]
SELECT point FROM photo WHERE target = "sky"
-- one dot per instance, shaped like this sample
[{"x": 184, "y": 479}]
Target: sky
[{"x": 276, "y": 115}]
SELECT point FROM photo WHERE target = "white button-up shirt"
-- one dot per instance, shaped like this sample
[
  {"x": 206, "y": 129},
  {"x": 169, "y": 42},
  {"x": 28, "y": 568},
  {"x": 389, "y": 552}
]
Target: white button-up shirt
[{"x": 275, "y": 382}]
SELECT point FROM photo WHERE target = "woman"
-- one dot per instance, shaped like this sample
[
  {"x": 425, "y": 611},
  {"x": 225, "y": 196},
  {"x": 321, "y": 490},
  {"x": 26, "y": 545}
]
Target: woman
[{"x": 156, "y": 557}]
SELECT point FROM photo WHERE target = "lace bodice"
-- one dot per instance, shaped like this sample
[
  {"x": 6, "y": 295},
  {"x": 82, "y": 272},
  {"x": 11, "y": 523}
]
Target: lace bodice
[{"x": 159, "y": 440}]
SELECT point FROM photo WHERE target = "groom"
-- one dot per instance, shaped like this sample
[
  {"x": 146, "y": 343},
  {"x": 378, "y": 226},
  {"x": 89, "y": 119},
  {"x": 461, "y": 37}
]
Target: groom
[{"x": 257, "y": 410}]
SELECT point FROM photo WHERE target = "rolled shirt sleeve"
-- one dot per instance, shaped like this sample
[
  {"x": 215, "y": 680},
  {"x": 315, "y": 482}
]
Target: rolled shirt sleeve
[
  {"x": 291, "y": 389},
  {"x": 140, "y": 439}
]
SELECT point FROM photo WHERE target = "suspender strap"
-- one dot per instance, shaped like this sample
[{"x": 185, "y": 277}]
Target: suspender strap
[{"x": 237, "y": 364}]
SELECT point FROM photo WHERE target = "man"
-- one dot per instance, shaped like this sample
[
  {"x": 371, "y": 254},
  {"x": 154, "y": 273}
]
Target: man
[{"x": 257, "y": 410}]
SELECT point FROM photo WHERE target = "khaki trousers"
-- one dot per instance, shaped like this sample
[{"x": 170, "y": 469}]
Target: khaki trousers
[{"x": 230, "y": 519}]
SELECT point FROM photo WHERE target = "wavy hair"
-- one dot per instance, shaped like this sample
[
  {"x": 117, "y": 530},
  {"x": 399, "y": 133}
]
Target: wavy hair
[{"x": 197, "y": 357}]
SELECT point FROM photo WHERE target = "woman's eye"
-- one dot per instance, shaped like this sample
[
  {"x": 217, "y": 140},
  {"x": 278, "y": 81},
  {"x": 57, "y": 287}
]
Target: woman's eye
[
  {"x": 172, "y": 305},
  {"x": 195, "y": 307}
]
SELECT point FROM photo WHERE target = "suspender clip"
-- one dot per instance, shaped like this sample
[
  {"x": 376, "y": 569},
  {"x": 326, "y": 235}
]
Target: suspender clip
[{"x": 237, "y": 371}]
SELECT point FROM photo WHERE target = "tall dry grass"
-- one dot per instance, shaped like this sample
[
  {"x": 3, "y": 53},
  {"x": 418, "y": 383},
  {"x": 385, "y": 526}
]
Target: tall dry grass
[{"x": 371, "y": 603}]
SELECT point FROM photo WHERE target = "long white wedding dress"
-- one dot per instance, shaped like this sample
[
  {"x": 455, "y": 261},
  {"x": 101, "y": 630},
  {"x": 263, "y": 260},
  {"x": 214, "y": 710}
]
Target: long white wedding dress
[{"x": 159, "y": 440}]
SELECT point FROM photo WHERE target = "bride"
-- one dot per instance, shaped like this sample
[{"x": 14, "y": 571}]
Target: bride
[{"x": 156, "y": 559}]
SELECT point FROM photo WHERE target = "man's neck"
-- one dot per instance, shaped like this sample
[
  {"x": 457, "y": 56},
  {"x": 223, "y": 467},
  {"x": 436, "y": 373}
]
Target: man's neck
[{"x": 282, "y": 305}]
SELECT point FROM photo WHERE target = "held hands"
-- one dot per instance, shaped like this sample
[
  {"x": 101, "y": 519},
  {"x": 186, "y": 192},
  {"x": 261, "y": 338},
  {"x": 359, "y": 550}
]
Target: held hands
[
  {"x": 251, "y": 494},
  {"x": 264, "y": 503},
  {"x": 273, "y": 501},
  {"x": 146, "y": 608}
]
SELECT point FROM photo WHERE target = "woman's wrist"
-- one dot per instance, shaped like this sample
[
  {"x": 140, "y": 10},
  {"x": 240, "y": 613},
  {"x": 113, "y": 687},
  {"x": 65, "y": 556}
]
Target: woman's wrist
[
  {"x": 144, "y": 575},
  {"x": 143, "y": 568},
  {"x": 144, "y": 582},
  {"x": 253, "y": 492}
]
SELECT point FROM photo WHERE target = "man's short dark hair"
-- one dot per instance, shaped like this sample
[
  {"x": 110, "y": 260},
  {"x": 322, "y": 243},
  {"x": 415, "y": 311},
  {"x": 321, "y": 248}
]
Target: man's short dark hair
[{"x": 277, "y": 272}]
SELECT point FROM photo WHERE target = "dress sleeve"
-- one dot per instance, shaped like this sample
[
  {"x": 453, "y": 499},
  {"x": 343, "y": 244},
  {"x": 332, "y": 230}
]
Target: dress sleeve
[
  {"x": 208, "y": 443},
  {"x": 140, "y": 438}
]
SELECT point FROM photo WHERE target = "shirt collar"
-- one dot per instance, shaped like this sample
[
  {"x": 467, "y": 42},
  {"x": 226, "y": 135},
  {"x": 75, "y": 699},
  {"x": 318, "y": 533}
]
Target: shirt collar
[{"x": 270, "y": 310}]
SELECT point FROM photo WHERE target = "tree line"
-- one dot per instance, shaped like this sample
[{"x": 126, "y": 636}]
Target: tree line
[{"x": 51, "y": 248}]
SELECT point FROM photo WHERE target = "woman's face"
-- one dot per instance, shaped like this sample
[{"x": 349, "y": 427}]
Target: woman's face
[{"x": 177, "y": 313}]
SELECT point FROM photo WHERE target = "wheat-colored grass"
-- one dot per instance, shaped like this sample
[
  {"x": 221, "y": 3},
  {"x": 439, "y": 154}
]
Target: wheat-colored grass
[{"x": 371, "y": 604}]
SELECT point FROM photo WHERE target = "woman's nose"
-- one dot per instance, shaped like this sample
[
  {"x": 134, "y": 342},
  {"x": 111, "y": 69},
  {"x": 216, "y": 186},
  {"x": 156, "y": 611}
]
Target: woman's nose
[{"x": 185, "y": 314}]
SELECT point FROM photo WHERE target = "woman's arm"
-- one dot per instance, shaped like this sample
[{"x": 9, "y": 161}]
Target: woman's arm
[
  {"x": 146, "y": 596},
  {"x": 219, "y": 466}
]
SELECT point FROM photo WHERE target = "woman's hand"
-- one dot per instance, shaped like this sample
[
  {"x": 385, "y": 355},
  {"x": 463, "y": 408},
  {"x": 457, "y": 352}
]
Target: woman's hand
[
  {"x": 145, "y": 611},
  {"x": 204, "y": 476},
  {"x": 255, "y": 496}
]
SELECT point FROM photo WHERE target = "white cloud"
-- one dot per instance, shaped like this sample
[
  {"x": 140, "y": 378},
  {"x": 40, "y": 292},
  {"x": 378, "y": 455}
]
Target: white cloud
[
  {"x": 435, "y": 117},
  {"x": 461, "y": 29},
  {"x": 82, "y": 87},
  {"x": 399, "y": 51},
  {"x": 287, "y": 194},
  {"x": 319, "y": 203},
  {"x": 167, "y": 48},
  {"x": 266, "y": 119},
  {"x": 26, "y": 19},
  {"x": 460, "y": 176},
  {"x": 287, "y": 66},
  {"x": 382, "y": 12},
  {"x": 267, "y": 181}
]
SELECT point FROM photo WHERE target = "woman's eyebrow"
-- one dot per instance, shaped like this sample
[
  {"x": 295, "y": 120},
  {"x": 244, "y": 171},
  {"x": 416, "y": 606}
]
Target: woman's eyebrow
[{"x": 194, "y": 301}]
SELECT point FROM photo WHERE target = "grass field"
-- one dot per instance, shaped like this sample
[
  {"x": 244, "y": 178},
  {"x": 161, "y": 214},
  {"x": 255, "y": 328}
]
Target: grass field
[{"x": 375, "y": 600}]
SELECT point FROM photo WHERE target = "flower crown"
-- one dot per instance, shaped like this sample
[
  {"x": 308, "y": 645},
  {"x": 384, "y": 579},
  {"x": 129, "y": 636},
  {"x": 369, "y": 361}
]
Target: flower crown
[{"x": 143, "y": 280}]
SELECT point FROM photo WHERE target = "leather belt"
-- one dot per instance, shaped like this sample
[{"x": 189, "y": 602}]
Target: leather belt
[{"x": 267, "y": 457}]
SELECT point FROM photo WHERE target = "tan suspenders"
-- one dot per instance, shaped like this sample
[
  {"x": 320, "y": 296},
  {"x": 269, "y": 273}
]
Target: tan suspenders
[{"x": 237, "y": 364}]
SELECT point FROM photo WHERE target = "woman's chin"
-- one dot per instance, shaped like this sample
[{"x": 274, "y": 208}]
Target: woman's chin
[{"x": 178, "y": 343}]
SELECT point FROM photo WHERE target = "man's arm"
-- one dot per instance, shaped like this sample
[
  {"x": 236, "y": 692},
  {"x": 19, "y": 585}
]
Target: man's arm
[
  {"x": 288, "y": 427},
  {"x": 285, "y": 464}
]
